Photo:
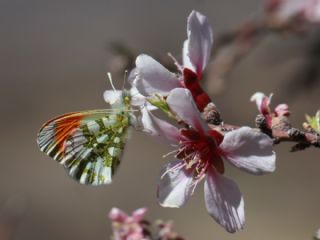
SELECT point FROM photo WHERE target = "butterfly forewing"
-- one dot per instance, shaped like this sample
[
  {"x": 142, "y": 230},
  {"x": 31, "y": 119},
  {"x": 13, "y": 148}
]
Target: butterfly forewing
[{"x": 89, "y": 144}]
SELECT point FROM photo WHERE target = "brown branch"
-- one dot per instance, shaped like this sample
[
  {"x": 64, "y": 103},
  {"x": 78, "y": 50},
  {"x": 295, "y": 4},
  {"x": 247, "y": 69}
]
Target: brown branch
[
  {"x": 281, "y": 131},
  {"x": 301, "y": 138}
]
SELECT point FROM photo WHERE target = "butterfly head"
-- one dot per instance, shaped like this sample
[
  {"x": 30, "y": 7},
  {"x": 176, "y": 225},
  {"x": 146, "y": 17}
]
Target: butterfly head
[{"x": 126, "y": 98}]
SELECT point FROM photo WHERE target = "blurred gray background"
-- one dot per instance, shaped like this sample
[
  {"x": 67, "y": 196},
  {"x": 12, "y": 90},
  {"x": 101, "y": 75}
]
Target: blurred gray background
[{"x": 54, "y": 59}]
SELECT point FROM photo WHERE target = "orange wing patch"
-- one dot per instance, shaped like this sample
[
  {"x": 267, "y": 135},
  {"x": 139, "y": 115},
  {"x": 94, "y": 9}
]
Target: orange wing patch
[
  {"x": 55, "y": 132},
  {"x": 64, "y": 128}
]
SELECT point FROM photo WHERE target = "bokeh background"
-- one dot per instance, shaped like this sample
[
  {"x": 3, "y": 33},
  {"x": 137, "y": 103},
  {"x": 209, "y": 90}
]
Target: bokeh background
[{"x": 54, "y": 57}]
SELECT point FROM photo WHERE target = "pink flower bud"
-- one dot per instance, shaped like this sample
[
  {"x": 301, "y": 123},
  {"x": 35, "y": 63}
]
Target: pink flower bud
[
  {"x": 282, "y": 110},
  {"x": 139, "y": 214},
  {"x": 117, "y": 215}
]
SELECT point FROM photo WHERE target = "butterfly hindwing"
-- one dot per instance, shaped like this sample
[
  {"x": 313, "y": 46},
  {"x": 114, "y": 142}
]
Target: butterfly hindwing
[{"x": 89, "y": 144}]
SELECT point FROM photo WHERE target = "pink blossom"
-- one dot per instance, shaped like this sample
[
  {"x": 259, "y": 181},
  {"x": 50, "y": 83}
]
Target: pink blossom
[
  {"x": 166, "y": 231},
  {"x": 150, "y": 77},
  {"x": 128, "y": 227},
  {"x": 263, "y": 103},
  {"x": 200, "y": 152},
  {"x": 285, "y": 10},
  {"x": 312, "y": 12}
]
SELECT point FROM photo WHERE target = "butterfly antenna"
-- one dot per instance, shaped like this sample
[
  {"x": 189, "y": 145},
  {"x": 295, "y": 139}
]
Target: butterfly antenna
[
  {"x": 124, "y": 78},
  {"x": 111, "y": 82}
]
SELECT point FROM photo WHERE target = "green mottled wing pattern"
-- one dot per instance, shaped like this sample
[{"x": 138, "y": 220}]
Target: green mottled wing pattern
[
  {"x": 89, "y": 144},
  {"x": 93, "y": 152}
]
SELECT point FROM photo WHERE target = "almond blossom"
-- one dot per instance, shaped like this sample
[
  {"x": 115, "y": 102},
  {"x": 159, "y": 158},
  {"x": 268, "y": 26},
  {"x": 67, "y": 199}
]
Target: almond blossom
[
  {"x": 128, "y": 227},
  {"x": 166, "y": 231},
  {"x": 285, "y": 10},
  {"x": 150, "y": 77},
  {"x": 200, "y": 154},
  {"x": 263, "y": 103}
]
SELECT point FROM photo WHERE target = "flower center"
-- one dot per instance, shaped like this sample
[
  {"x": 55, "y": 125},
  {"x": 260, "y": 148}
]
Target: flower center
[{"x": 199, "y": 152}]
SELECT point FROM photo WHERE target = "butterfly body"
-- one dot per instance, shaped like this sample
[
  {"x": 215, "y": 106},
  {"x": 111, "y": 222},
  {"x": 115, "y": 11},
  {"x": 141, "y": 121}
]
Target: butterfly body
[{"x": 89, "y": 144}]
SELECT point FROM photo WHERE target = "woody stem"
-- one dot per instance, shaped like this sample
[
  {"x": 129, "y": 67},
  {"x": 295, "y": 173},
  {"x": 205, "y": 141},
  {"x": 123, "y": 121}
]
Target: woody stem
[{"x": 303, "y": 139}]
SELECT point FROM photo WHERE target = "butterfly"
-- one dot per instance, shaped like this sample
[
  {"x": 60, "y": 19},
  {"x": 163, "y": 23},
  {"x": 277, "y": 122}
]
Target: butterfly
[{"x": 89, "y": 144}]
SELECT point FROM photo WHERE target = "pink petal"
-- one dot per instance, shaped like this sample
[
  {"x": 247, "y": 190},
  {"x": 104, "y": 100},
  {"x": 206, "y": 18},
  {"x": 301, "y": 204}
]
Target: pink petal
[
  {"x": 282, "y": 110},
  {"x": 136, "y": 98},
  {"x": 312, "y": 11},
  {"x": 117, "y": 215},
  {"x": 291, "y": 8},
  {"x": 200, "y": 40},
  {"x": 139, "y": 214},
  {"x": 175, "y": 187},
  {"x": 151, "y": 77},
  {"x": 181, "y": 102},
  {"x": 135, "y": 236},
  {"x": 249, "y": 150},
  {"x": 224, "y": 201},
  {"x": 162, "y": 130}
]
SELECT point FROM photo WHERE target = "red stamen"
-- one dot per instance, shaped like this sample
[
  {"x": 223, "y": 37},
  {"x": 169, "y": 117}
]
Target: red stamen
[{"x": 201, "y": 151}]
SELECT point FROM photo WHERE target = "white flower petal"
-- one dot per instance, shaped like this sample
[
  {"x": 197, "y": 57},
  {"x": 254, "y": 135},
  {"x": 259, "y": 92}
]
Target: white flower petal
[
  {"x": 136, "y": 98},
  {"x": 112, "y": 96},
  {"x": 151, "y": 77},
  {"x": 258, "y": 98},
  {"x": 132, "y": 76},
  {"x": 181, "y": 102},
  {"x": 150, "y": 107},
  {"x": 175, "y": 188},
  {"x": 185, "y": 56},
  {"x": 249, "y": 150},
  {"x": 224, "y": 201},
  {"x": 162, "y": 130},
  {"x": 200, "y": 39}
]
